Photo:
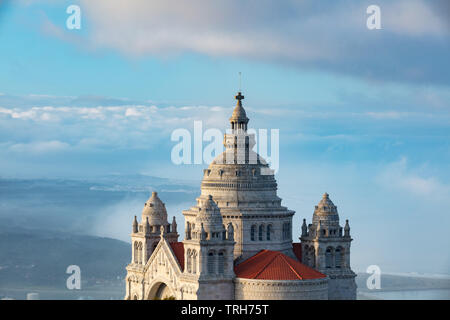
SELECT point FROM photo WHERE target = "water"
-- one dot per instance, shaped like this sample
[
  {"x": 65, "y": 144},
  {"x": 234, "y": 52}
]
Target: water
[{"x": 431, "y": 294}]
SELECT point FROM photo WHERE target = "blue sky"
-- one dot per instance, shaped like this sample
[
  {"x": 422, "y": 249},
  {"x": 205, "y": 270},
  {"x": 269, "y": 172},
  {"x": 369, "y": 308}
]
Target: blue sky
[{"x": 363, "y": 114}]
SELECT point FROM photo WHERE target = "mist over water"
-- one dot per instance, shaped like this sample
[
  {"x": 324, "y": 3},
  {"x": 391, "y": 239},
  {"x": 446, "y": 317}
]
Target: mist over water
[{"x": 115, "y": 221}]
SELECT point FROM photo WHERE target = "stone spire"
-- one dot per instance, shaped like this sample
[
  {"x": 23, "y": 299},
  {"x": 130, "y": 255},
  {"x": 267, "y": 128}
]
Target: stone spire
[
  {"x": 162, "y": 229},
  {"x": 147, "y": 228},
  {"x": 135, "y": 225},
  {"x": 304, "y": 229},
  {"x": 346, "y": 229},
  {"x": 174, "y": 224},
  {"x": 202, "y": 232},
  {"x": 239, "y": 118},
  {"x": 230, "y": 231}
]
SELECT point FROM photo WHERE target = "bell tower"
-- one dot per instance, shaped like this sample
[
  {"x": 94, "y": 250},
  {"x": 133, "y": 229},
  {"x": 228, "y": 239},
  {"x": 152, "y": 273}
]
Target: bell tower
[
  {"x": 209, "y": 247},
  {"x": 146, "y": 234},
  {"x": 326, "y": 247}
]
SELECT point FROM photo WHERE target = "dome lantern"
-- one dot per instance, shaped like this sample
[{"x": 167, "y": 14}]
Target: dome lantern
[{"x": 239, "y": 118}]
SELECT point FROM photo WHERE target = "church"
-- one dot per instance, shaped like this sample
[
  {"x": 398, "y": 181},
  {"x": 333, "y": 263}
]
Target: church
[{"x": 238, "y": 238}]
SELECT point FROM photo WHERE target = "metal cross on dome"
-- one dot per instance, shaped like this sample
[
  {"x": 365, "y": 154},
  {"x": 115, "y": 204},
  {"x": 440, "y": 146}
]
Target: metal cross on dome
[{"x": 239, "y": 97}]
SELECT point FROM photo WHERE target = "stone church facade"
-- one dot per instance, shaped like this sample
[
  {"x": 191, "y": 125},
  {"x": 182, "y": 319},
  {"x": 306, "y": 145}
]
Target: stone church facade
[{"x": 238, "y": 238}]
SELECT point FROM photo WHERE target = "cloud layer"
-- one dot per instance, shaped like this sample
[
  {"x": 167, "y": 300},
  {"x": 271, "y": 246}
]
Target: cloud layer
[
  {"x": 328, "y": 35},
  {"x": 73, "y": 134}
]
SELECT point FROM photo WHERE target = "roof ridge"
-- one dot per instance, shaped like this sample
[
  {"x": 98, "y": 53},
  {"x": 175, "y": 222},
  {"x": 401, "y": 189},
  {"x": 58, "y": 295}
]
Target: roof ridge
[
  {"x": 252, "y": 257},
  {"x": 267, "y": 264},
  {"x": 291, "y": 267}
]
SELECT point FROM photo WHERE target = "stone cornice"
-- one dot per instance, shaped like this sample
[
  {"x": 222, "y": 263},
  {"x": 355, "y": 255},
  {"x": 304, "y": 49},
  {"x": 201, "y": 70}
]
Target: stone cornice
[{"x": 283, "y": 283}]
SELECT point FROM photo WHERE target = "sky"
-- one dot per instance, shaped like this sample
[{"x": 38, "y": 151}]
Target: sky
[{"x": 363, "y": 114}]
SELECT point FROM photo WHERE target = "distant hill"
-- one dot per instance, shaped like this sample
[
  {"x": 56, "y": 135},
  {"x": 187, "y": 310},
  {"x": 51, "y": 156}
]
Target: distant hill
[
  {"x": 397, "y": 282},
  {"x": 74, "y": 205},
  {"x": 48, "y": 224},
  {"x": 40, "y": 258}
]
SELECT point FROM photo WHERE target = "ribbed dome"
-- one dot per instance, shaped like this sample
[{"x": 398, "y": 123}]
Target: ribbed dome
[
  {"x": 155, "y": 210},
  {"x": 239, "y": 113},
  {"x": 243, "y": 189},
  {"x": 325, "y": 211},
  {"x": 230, "y": 154},
  {"x": 239, "y": 177},
  {"x": 209, "y": 215}
]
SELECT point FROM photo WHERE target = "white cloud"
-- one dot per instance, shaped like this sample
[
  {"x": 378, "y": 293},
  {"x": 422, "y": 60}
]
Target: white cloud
[
  {"x": 113, "y": 127},
  {"x": 388, "y": 115},
  {"x": 413, "y": 18},
  {"x": 39, "y": 146},
  {"x": 133, "y": 112},
  {"x": 400, "y": 177},
  {"x": 331, "y": 36},
  {"x": 291, "y": 30}
]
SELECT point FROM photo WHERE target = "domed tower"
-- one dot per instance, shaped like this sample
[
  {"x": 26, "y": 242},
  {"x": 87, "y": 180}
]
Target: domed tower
[
  {"x": 244, "y": 188},
  {"x": 326, "y": 248},
  {"x": 208, "y": 251},
  {"x": 146, "y": 234}
]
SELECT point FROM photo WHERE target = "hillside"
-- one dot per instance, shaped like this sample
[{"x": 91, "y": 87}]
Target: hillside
[{"x": 39, "y": 259}]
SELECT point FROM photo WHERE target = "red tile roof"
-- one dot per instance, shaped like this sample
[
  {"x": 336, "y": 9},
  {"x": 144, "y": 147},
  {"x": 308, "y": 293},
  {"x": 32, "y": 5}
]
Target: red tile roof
[
  {"x": 274, "y": 265},
  {"x": 178, "y": 250},
  {"x": 297, "y": 248}
]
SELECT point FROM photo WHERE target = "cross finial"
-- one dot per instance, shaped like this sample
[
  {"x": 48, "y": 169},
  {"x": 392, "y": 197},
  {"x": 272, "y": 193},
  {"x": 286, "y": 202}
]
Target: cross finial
[{"x": 239, "y": 97}]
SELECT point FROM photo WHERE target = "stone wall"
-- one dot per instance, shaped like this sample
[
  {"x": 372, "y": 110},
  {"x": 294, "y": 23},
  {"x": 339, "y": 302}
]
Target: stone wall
[
  {"x": 216, "y": 290},
  {"x": 249, "y": 289},
  {"x": 342, "y": 288}
]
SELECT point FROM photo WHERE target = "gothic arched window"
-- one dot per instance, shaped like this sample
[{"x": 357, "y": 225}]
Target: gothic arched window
[
  {"x": 140, "y": 253},
  {"x": 221, "y": 262},
  {"x": 188, "y": 230},
  {"x": 194, "y": 261},
  {"x": 224, "y": 233},
  {"x": 286, "y": 230},
  {"x": 252, "y": 233},
  {"x": 269, "y": 231},
  {"x": 211, "y": 262},
  {"x": 312, "y": 257},
  {"x": 329, "y": 257},
  {"x": 188, "y": 261},
  {"x": 339, "y": 257},
  {"x": 135, "y": 253},
  {"x": 305, "y": 255}
]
